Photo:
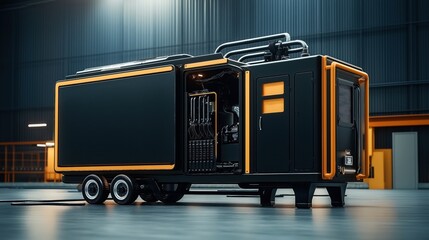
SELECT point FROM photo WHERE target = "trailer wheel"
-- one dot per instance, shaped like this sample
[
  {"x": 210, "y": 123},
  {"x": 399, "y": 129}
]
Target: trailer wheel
[
  {"x": 171, "y": 193},
  {"x": 123, "y": 190},
  {"x": 95, "y": 189},
  {"x": 148, "y": 196}
]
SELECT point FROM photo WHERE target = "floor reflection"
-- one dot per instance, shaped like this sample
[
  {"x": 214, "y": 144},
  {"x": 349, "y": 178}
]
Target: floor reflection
[{"x": 367, "y": 215}]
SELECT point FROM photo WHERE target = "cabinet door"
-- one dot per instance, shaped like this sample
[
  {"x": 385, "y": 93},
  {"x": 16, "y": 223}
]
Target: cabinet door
[{"x": 272, "y": 133}]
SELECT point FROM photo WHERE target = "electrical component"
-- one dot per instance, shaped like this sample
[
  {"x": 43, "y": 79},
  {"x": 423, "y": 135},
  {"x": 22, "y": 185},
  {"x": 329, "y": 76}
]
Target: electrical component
[{"x": 202, "y": 132}]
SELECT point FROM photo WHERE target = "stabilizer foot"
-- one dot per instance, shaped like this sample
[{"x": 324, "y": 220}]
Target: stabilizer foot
[
  {"x": 337, "y": 194},
  {"x": 267, "y": 196},
  {"x": 304, "y": 194}
]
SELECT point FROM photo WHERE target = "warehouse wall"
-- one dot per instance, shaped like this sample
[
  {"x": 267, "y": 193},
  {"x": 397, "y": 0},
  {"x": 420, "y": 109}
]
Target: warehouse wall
[
  {"x": 42, "y": 41},
  {"x": 383, "y": 139}
]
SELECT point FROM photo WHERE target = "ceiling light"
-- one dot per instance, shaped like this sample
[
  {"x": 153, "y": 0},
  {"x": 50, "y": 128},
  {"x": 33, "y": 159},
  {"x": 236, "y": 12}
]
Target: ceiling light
[{"x": 35, "y": 125}]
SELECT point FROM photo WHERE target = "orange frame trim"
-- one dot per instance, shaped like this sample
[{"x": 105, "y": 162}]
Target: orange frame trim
[
  {"x": 332, "y": 123},
  {"x": 325, "y": 173},
  {"x": 97, "y": 79},
  {"x": 247, "y": 121}
]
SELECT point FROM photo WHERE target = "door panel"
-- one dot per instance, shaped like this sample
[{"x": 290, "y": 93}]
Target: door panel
[
  {"x": 272, "y": 133},
  {"x": 305, "y": 138},
  {"x": 405, "y": 172},
  {"x": 347, "y": 118}
]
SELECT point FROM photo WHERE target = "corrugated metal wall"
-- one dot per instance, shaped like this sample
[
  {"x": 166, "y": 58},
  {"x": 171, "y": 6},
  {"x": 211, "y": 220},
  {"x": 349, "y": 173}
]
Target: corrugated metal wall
[{"x": 45, "y": 41}]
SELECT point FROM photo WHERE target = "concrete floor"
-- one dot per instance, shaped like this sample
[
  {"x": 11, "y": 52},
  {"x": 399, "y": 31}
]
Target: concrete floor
[{"x": 369, "y": 214}]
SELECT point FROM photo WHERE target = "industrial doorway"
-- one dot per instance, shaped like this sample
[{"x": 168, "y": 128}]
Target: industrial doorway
[{"x": 405, "y": 171}]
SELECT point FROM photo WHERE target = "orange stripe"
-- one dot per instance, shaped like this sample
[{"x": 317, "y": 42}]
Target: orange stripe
[
  {"x": 247, "y": 121},
  {"x": 115, "y": 168},
  {"x": 206, "y": 63},
  {"x": 325, "y": 174},
  {"x": 116, "y": 75},
  {"x": 332, "y": 122}
]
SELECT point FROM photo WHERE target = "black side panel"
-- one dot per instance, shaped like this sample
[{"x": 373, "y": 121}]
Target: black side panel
[
  {"x": 304, "y": 121},
  {"x": 118, "y": 122}
]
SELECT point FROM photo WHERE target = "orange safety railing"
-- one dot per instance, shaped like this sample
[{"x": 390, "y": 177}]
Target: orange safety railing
[{"x": 25, "y": 161}]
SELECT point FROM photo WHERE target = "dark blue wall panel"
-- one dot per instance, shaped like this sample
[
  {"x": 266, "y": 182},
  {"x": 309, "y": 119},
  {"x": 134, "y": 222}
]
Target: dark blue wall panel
[{"x": 45, "y": 41}]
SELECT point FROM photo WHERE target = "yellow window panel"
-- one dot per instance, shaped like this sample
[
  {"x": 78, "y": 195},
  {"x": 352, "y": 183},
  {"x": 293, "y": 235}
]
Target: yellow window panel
[
  {"x": 275, "y": 105},
  {"x": 273, "y": 88}
]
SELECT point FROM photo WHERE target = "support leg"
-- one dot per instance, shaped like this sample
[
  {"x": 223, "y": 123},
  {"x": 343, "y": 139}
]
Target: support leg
[
  {"x": 267, "y": 196},
  {"x": 304, "y": 194},
  {"x": 337, "y": 194}
]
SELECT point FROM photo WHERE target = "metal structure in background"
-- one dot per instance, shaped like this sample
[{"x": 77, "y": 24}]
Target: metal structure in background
[
  {"x": 25, "y": 161},
  {"x": 376, "y": 35}
]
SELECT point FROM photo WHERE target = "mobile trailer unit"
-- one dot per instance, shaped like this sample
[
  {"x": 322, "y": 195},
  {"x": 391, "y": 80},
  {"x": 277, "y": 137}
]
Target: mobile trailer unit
[{"x": 152, "y": 128}]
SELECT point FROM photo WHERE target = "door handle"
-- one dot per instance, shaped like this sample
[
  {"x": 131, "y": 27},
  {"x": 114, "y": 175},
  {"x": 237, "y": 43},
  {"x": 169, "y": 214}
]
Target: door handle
[{"x": 260, "y": 123}]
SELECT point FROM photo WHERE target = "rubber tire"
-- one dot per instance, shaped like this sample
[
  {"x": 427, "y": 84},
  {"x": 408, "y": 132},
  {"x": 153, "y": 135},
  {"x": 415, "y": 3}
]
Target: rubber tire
[
  {"x": 148, "y": 196},
  {"x": 123, "y": 190},
  {"x": 173, "y": 197},
  {"x": 95, "y": 189}
]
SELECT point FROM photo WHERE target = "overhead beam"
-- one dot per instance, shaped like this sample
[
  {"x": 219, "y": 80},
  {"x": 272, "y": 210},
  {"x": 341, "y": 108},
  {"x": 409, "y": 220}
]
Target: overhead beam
[{"x": 399, "y": 120}]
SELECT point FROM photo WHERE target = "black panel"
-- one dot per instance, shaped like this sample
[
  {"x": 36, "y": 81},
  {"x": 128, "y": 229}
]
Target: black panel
[
  {"x": 304, "y": 121},
  {"x": 345, "y": 101},
  {"x": 299, "y": 134},
  {"x": 346, "y": 140},
  {"x": 272, "y": 137},
  {"x": 123, "y": 121},
  {"x": 347, "y": 110}
]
